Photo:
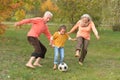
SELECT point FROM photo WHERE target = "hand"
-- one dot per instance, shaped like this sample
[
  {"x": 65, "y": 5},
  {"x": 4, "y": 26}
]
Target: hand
[
  {"x": 17, "y": 26},
  {"x": 98, "y": 37},
  {"x": 74, "y": 39},
  {"x": 68, "y": 32},
  {"x": 51, "y": 45}
]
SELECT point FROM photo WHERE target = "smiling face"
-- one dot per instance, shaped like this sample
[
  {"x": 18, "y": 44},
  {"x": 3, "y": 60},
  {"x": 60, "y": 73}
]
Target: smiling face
[
  {"x": 62, "y": 31},
  {"x": 47, "y": 18},
  {"x": 85, "y": 22}
]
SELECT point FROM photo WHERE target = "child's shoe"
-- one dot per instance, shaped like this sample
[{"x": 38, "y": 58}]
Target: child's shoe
[{"x": 54, "y": 67}]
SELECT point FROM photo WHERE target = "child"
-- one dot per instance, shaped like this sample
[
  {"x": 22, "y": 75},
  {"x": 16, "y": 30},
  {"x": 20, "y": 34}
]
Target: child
[{"x": 58, "y": 40}]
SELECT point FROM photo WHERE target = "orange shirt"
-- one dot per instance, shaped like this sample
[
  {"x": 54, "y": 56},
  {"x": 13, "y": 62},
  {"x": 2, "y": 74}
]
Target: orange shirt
[
  {"x": 38, "y": 27},
  {"x": 84, "y": 31}
]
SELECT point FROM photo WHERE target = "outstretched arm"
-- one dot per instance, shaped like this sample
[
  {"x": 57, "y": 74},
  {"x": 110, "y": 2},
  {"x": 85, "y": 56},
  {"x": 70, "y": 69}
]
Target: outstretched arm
[
  {"x": 95, "y": 30},
  {"x": 74, "y": 28},
  {"x": 25, "y": 21}
]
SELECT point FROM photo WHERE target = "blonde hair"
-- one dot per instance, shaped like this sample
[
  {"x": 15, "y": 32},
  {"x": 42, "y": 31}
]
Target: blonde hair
[
  {"x": 86, "y": 16},
  {"x": 48, "y": 13}
]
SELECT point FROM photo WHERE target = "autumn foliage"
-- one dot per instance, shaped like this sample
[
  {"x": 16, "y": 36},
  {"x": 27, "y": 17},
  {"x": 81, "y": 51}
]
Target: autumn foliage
[
  {"x": 6, "y": 9},
  {"x": 48, "y": 5}
]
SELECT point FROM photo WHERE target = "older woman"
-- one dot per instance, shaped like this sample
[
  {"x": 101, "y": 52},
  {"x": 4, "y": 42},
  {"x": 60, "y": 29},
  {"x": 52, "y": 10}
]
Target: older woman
[
  {"x": 39, "y": 26},
  {"x": 85, "y": 25}
]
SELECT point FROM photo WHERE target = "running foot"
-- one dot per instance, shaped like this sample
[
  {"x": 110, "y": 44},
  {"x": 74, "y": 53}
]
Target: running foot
[
  {"x": 30, "y": 66},
  {"x": 39, "y": 65}
]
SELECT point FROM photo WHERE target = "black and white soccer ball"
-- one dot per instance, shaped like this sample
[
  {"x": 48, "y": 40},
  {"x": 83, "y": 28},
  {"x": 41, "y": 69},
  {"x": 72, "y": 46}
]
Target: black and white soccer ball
[{"x": 63, "y": 67}]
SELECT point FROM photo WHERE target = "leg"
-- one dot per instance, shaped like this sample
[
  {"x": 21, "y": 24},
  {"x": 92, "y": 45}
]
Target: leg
[
  {"x": 43, "y": 50},
  {"x": 41, "y": 54},
  {"x": 37, "y": 48},
  {"x": 78, "y": 46},
  {"x": 36, "y": 63},
  {"x": 29, "y": 63},
  {"x": 84, "y": 50},
  {"x": 55, "y": 57},
  {"x": 35, "y": 43},
  {"x": 61, "y": 51}
]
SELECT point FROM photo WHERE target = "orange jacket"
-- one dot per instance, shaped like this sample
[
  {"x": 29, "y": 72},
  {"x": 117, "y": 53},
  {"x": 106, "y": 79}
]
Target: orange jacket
[{"x": 38, "y": 27}]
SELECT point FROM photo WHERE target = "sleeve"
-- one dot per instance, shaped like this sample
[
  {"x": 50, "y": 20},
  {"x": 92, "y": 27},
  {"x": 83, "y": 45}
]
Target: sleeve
[
  {"x": 48, "y": 34},
  {"x": 26, "y": 21},
  {"x": 54, "y": 35},
  {"x": 52, "y": 39},
  {"x": 94, "y": 29},
  {"x": 75, "y": 27}
]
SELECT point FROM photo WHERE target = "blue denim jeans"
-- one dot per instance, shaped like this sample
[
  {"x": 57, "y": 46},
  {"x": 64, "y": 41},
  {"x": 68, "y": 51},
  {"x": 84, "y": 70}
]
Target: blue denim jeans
[{"x": 58, "y": 51}]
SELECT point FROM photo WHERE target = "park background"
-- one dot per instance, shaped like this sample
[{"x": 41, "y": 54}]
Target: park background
[{"x": 102, "y": 60}]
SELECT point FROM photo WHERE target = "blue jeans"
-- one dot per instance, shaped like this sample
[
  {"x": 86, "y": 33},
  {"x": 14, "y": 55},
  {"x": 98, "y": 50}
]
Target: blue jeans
[{"x": 58, "y": 51}]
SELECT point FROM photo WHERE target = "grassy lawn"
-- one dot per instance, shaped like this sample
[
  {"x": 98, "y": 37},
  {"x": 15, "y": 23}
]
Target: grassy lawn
[{"x": 101, "y": 63}]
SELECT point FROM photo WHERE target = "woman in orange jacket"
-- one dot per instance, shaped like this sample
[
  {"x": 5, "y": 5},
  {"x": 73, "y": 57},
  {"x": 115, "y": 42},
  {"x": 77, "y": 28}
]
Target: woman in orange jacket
[{"x": 39, "y": 26}]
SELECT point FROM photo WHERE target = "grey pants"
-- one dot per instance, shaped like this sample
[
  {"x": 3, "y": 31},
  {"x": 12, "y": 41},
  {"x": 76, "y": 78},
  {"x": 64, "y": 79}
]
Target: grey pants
[{"x": 82, "y": 45}]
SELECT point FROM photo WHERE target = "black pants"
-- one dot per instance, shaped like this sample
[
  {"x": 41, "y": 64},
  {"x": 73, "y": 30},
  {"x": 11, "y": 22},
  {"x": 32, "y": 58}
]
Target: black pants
[
  {"x": 39, "y": 48},
  {"x": 82, "y": 45}
]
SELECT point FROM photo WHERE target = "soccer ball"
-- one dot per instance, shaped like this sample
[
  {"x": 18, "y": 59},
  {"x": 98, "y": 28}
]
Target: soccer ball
[{"x": 62, "y": 67}]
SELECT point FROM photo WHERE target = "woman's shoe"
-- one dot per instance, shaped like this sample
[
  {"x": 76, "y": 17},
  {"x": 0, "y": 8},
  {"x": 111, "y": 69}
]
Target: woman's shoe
[
  {"x": 77, "y": 54},
  {"x": 80, "y": 63}
]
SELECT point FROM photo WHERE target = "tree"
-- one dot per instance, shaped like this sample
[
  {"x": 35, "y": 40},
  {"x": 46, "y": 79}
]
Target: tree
[
  {"x": 16, "y": 8},
  {"x": 111, "y": 14},
  {"x": 73, "y": 9},
  {"x": 6, "y": 9},
  {"x": 66, "y": 8},
  {"x": 116, "y": 15},
  {"x": 48, "y": 5}
]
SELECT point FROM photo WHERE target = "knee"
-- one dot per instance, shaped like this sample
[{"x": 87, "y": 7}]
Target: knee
[
  {"x": 36, "y": 55},
  {"x": 85, "y": 50}
]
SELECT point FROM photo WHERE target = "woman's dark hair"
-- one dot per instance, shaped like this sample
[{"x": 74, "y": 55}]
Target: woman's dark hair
[{"x": 62, "y": 27}]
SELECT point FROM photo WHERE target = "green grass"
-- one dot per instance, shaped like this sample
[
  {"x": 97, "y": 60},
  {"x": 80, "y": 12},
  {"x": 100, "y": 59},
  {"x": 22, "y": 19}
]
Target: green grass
[{"x": 101, "y": 63}]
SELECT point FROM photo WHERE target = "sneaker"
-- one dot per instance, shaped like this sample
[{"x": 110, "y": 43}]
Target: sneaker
[
  {"x": 77, "y": 54},
  {"x": 80, "y": 63}
]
